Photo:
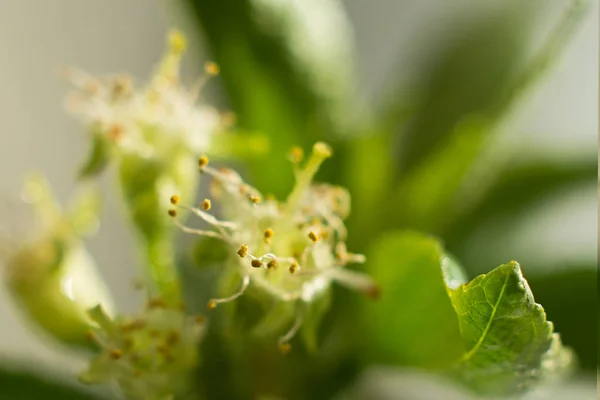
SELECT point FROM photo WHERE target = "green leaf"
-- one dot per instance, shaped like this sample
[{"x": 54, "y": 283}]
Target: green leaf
[
  {"x": 514, "y": 190},
  {"x": 510, "y": 344},
  {"x": 287, "y": 70},
  {"x": 98, "y": 158},
  {"x": 21, "y": 384},
  {"x": 488, "y": 50},
  {"x": 413, "y": 323}
]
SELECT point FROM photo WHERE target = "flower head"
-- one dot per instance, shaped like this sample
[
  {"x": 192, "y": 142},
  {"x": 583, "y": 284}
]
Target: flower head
[
  {"x": 292, "y": 249},
  {"x": 149, "y": 356},
  {"x": 154, "y": 120}
]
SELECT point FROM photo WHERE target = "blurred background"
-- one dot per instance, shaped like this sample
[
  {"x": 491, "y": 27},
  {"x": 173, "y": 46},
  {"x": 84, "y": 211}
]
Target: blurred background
[{"x": 396, "y": 41}]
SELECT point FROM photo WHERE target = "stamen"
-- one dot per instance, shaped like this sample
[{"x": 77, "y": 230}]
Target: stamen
[
  {"x": 213, "y": 302},
  {"x": 116, "y": 354},
  {"x": 296, "y": 155},
  {"x": 243, "y": 251},
  {"x": 202, "y": 161},
  {"x": 211, "y": 68},
  {"x": 268, "y": 234},
  {"x": 175, "y": 199},
  {"x": 284, "y": 346},
  {"x": 206, "y": 205},
  {"x": 200, "y": 232},
  {"x": 293, "y": 267},
  {"x": 313, "y": 236},
  {"x": 256, "y": 263},
  {"x": 272, "y": 264},
  {"x": 254, "y": 199},
  {"x": 172, "y": 213}
]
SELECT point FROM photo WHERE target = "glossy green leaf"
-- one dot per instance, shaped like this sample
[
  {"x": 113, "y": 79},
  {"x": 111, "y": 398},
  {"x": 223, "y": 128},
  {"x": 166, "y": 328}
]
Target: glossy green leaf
[
  {"x": 413, "y": 323},
  {"x": 510, "y": 344}
]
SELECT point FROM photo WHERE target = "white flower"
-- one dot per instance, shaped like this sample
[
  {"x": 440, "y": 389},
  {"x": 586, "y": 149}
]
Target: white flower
[
  {"x": 292, "y": 249},
  {"x": 149, "y": 356},
  {"x": 154, "y": 120}
]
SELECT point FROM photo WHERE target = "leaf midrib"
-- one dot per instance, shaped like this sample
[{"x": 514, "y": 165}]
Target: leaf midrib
[{"x": 472, "y": 352}]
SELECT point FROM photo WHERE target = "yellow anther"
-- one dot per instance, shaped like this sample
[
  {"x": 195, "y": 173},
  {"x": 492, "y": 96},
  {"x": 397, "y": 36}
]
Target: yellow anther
[
  {"x": 115, "y": 132},
  {"x": 256, "y": 263},
  {"x": 296, "y": 155},
  {"x": 172, "y": 338},
  {"x": 90, "y": 335},
  {"x": 272, "y": 264},
  {"x": 322, "y": 149},
  {"x": 212, "y": 68},
  {"x": 268, "y": 234},
  {"x": 212, "y": 305},
  {"x": 254, "y": 199},
  {"x": 285, "y": 348},
  {"x": 324, "y": 234},
  {"x": 175, "y": 199},
  {"x": 172, "y": 212},
  {"x": 313, "y": 236},
  {"x": 177, "y": 42},
  {"x": 206, "y": 205},
  {"x": 116, "y": 354},
  {"x": 156, "y": 303},
  {"x": 228, "y": 118},
  {"x": 243, "y": 250},
  {"x": 293, "y": 267},
  {"x": 203, "y": 161}
]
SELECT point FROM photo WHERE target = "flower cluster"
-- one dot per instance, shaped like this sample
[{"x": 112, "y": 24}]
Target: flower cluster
[
  {"x": 153, "y": 121},
  {"x": 149, "y": 356},
  {"x": 292, "y": 249}
]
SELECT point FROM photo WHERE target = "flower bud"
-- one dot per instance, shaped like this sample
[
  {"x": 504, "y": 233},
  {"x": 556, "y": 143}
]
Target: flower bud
[{"x": 46, "y": 268}]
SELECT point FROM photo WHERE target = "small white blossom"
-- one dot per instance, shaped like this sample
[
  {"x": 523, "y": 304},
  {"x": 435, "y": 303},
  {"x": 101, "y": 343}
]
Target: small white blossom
[
  {"x": 149, "y": 356},
  {"x": 154, "y": 120},
  {"x": 292, "y": 249}
]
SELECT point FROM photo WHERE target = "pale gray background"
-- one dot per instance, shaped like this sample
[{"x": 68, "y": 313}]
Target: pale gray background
[{"x": 38, "y": 37}]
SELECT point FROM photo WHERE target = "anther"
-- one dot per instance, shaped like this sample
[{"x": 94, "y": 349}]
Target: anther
[
  {"x": 211, "y": 305},
  {"x": 203, "y": 161},
  {"x": 116, "y": 354},
  {"x": 90, "y": 335},
  {"x": 172, "y": 213},
  {"x": 285, "y": 348},
  {"x": 296, "y": 154},
  {"x": 175, "y": 199},
  {"x": 293, "y": 267},
  {"x": 268, "y": 234},
  {"x": 206, "y": 205},
  {"x": 243, "y": 250},
  {"x": 254, "y": 199},
  {"x": 313, "y": 236},
  {"x": 211, "y": 68},
  {"x": 256, "y": 263},
  {"x": 272, "y": 264}
]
